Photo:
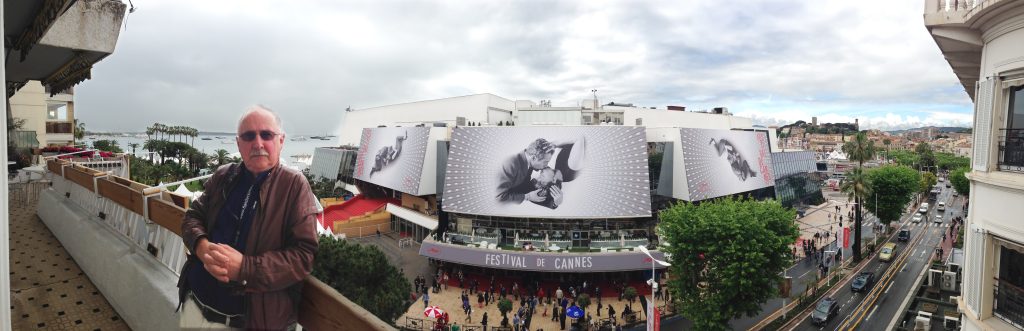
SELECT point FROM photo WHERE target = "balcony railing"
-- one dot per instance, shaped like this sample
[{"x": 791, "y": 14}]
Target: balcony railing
[
  {"x": 150, "y": 218},
  {"x": 1011, "y": 150},
  {"x": 1009, "y": 303},
  {"x": 59, "y": 127}
]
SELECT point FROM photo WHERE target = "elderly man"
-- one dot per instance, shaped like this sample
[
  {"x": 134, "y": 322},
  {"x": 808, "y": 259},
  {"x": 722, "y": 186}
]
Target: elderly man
[{"x": 251, "y": 237}]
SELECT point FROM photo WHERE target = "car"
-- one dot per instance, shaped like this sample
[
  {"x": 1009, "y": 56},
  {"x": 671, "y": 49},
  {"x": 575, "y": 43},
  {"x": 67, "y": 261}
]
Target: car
[
  {"x": 827, "y": 309},
  {"x": 904, "y": 235},
  {"x": 924, "y": 208},
  {"x": 941, "y": 206},
  {"x": 887, "y": 252},
  {"x": 941, "y": 179},
  {"x": 938, "y": 218},
  {"x": 948, "y": 185},
  {"x": 917, "y": 218},
  {"x": 863, "y": 281},
  {"x": 956, "y": 194}
]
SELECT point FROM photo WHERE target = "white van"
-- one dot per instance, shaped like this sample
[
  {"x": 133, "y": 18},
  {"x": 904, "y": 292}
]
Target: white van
[{"x": 942, "y": 206}]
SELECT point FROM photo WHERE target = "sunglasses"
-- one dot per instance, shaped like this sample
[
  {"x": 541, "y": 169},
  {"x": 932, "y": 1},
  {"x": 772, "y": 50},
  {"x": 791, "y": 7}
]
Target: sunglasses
[{"x": 264, "y": 134}]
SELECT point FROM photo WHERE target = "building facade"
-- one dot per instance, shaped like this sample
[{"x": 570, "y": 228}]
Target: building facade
[{"x": 982, "y": 41}]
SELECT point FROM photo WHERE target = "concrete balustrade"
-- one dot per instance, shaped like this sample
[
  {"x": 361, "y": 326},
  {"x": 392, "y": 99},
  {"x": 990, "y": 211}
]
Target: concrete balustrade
[{"x": 125, "y": 237}]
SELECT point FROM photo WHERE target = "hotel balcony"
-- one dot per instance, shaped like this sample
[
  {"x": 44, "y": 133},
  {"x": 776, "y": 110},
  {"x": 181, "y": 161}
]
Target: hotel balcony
[{"x": 93, "y": 250}]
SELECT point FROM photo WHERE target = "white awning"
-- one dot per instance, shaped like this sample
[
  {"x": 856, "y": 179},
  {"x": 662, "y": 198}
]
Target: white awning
[{"x": 412, "y": 216}]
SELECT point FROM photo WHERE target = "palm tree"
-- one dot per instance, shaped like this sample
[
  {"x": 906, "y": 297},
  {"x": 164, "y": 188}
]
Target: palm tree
[
  {"x": 887, "y": 142},
  {"x": 859, "y": 149},
  {"x": 79, "y": 131},
  {"x": 222, "y": 157},
  {"x": 133, "y": 146}
]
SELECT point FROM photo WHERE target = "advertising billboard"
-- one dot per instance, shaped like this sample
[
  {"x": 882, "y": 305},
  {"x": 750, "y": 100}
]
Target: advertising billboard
[
  {"x": 563, "y": 172},
  {"x": 536, "y": 261},
  {"x": 724, "y": 162},
  {"x": 392, "y": 157}
]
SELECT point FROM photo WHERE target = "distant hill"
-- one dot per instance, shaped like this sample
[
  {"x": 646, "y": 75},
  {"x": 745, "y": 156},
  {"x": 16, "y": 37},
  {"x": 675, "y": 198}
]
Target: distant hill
[
  {"x": 936, "y": 128},
  {"x": 821, "y": 127}
]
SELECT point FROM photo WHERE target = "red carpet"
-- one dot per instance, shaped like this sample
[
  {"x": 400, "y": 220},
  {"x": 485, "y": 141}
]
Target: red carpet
[{"x": 356, "y": 206}]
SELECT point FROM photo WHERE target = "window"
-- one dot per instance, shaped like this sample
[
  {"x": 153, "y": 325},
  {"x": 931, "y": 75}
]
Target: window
[
  {"x": 1009, "y": 295},
  {"x": 57, "y": 113},
  {"x": 1011, "y": 144}
]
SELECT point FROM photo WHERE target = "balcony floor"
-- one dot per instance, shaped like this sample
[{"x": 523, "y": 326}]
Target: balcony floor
[{"x": 48, "y": 290}]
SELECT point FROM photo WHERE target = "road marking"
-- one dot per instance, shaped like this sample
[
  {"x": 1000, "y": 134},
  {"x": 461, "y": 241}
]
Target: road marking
[
  {"x": 871, "y": 313},
  {"x": 887, "y": 289},
  {"x": 922, "y": 253}
]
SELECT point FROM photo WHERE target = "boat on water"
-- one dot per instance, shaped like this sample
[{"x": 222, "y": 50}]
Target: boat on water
[
  {"x": 227, "y": 142},
  {"x": 206, "y": 138},
  {"x": 299, "y": 138}
]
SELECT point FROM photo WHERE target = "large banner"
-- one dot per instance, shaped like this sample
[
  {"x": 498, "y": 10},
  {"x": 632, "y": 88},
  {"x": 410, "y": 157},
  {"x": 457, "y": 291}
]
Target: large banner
[
  {"x": 724, "y": 162},
  {"x": 563, "y": 172},
  {"x": 392, "y": 157},
  {"x": 540, "y": 261}
]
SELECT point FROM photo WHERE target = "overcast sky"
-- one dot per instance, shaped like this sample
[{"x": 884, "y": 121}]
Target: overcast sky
[{"x": 200, "y": 63}]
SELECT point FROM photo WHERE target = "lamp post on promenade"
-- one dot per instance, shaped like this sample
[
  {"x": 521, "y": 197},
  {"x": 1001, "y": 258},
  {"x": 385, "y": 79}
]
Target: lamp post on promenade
[{"x": 654, "y": 286}]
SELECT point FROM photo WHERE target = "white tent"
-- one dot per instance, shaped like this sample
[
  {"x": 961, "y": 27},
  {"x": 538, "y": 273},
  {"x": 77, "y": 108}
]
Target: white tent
[{"x": 181, "y": 190}]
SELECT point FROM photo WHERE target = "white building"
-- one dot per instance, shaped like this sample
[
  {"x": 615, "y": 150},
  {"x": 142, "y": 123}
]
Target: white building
[{"x": 982, "y": 41}]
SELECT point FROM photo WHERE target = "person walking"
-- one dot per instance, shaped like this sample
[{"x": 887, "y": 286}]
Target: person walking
[{"x": 483, "y": 321}]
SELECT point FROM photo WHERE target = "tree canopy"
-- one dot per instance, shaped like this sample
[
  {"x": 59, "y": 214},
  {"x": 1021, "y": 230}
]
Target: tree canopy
[
  {"x": 362, "y": 274},
  {"x": 892, "y": 187},
  {"x": 727, "y": 256},
  {"x": 958, "y": 177},
  {"x": 927, "y": 181}
]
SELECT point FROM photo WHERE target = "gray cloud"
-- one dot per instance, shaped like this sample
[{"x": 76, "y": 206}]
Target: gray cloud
[{"x": 200, "y": 64}]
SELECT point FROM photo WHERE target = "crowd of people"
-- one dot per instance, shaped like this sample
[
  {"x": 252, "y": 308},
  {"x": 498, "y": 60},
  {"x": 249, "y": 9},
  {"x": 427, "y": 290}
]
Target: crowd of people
[{"x": 528, "y": 299}]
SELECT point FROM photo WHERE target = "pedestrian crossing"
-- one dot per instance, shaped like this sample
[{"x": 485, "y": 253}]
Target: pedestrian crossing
[{"x": 923, "y": 224}]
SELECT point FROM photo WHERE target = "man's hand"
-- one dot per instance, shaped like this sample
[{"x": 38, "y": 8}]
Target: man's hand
[
  {"x": 227, "y": 262},
  {"x": 534, "y": 196},
  {"x": 556, "y": 195}
]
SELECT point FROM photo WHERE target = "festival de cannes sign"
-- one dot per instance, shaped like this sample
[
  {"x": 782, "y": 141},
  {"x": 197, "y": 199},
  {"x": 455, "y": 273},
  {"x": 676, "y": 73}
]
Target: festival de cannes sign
[
  {"x": 539, "y": 261},
  {"x": 392, "y": 157},
  {"x": 564, "y": 172},
  {"x": 724, "y": 162}
]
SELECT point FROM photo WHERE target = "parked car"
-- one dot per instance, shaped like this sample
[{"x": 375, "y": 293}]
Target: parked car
[
  {"x": 827, "y": 309},
  {"x": 887, "y": 253},
  {"x": 948, "y": 185},
  {"x": 956, "y": 194},
  {"x": 863, "y": 281},
  {"x": 904, "y": 235}
]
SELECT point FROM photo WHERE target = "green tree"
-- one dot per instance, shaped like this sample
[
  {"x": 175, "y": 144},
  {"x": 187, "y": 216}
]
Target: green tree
[
  {"x": 856, "y": 187},
  {"x": 924, "y": 151},
  {"x": 890, "y": 189},
  {"x": 504, "y": 306},
  {"x": 362, "y": 274},
  {"x": 928, "y": 180},
  {"x": 79, "y": 131},
  {"x": 948, "y": 161},
  {"x": 958, "y": 177},
  {"x": 629, "y": 293},
  {"x": 727, "y": 256},
  {"x": 583, "y": 300},
  {"x": 133, "y": 146},
  {"x": 222, "y": 157},
  {"x": 859, "y": 149},
  {"x": 108, "y": 145},
  {"x": 905, "y": 158}
]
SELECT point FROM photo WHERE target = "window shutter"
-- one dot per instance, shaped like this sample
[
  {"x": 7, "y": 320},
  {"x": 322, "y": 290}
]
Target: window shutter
[{"x": 983, "y": 124}]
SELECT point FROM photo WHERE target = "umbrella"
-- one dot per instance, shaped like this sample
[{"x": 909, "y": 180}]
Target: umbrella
[
  {"x": 574, "y": 312},
  {"x": 546, "y": 241},
  {"x": 433, "y": 312},
  {"x": 517, "y": 239}
]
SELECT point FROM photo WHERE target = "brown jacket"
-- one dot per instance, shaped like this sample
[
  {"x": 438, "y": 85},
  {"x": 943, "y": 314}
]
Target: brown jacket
[{"x": 279, "y": 248}]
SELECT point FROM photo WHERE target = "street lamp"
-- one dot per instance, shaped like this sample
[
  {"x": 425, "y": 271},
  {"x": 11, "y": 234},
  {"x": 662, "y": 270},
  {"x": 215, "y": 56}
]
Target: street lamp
[{"x": 654, "y": 285}]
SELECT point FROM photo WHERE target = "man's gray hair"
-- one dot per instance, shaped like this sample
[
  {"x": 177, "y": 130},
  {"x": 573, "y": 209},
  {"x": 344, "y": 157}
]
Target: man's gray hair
[{"x": 262, "y": 108}]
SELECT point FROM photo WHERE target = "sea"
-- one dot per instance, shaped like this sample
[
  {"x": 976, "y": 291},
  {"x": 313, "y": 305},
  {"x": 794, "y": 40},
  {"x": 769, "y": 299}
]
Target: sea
[{"x": 296, "y": 153}]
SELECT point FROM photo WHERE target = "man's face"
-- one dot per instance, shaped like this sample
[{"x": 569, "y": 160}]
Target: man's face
[
  {"x": 260, "y": 154},
  {"x": 540, "y": 161}
]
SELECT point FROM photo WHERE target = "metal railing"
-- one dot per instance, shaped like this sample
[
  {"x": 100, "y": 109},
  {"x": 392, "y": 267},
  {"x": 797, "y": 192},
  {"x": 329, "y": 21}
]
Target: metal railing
[
  {"x": 1009, "y": 303},
  {"x": 1011, "y": 150}
]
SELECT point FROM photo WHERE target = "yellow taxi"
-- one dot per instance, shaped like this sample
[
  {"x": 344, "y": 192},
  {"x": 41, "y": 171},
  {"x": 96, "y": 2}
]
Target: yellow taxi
[{"x": 887, "y": 253}]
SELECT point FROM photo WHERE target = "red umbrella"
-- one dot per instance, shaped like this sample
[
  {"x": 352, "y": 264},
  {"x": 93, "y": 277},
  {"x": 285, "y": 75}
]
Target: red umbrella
[{"x": 433, "y": 312}]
